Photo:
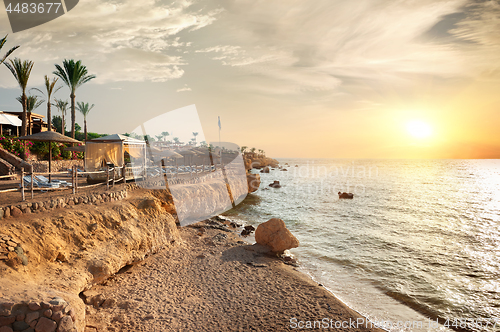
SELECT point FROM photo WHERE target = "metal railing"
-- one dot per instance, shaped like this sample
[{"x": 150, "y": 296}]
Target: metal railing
[{"x": 127, "y": 172}]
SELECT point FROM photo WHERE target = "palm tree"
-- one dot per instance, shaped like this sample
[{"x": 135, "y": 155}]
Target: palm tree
[
  {"x": 84, "y": 108},
  {"x": 195, "y": 134},
  {"x": 21, "y": 72},
  {"x": 73, "y": 75},
  {"x": 32, "y": 102},
  {"x": 164, "y": 135},
  {"x": 244, "y": 148},
  {"x": 62, "y": 106},
  {"x": 9, "y": 52},
  {"x": 49, "y": 87},
  {"x": 159, "y": 137}
]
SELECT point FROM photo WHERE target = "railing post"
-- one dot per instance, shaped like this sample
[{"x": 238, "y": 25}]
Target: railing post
[
  {"x": 32, "y": 178},
  {"x": 114, "y": 176},
  {"x": 73, "y": 182},
  {"x": 107, "y": 177},
  {"x": 123, "y": 174},
  {"x": 76, "y": 179},
  {"x": 22, "y": 182}
]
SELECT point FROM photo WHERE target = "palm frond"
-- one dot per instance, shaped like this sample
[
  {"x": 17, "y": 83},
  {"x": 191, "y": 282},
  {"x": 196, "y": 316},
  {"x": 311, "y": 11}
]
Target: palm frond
[
  {"x": 74, "y": 74},
  {"x": 62, "y": 105},
  {"x": 32, "y": 102},
  {"x": 84, "y": 108},
  {"x": 21, "y": 71},
  {"x": 9, "y": 52},
  {"x": 61, "y": 73}
]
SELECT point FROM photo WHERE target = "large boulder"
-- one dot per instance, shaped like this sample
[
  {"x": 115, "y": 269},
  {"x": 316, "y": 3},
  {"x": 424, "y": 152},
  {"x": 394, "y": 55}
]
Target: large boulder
[
  {"x": 274, "y": 234},
  {"x": 253, "y": 181}
]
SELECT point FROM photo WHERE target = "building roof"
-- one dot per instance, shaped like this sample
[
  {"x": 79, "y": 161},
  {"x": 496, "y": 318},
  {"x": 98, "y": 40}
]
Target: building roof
[
  {"x": 9, "y": 119},
  {"x": 118, "y": 138},
  {"x": 33, "y": 115}
]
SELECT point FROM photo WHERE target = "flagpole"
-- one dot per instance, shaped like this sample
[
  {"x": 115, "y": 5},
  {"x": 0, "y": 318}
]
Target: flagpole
[{"x": 220, "y": 148}]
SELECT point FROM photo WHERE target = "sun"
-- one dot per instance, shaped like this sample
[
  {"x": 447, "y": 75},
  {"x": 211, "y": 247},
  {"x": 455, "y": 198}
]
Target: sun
[{"x": 419, "y": 129}]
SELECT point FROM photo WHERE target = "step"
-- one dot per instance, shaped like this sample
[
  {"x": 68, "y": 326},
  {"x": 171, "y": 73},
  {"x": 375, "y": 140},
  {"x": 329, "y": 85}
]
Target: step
[{"x": 6, "y": 168}]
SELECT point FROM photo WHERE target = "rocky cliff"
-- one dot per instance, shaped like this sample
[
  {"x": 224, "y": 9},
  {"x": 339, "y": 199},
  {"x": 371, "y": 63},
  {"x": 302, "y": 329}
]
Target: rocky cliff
[
  {"x": 50, "y": 252},
  {"x": 67, "y": 250},
  {"x": 253, "y": 160}
]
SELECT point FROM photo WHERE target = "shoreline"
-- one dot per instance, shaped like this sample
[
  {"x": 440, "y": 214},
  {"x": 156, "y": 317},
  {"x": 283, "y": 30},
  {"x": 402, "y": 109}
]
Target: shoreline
[{"x": 214, "y": 281}]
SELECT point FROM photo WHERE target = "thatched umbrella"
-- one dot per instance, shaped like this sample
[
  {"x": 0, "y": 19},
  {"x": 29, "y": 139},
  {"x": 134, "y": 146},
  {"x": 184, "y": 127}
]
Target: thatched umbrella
[
  {"x": 49, "y": 136},
  {"x": 164, "y": 154},
  {"x": 187, "y": 154}
]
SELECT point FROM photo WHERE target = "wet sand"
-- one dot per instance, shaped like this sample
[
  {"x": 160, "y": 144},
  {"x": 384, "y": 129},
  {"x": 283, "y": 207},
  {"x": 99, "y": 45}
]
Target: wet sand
[{"x": 213, "y": 282}]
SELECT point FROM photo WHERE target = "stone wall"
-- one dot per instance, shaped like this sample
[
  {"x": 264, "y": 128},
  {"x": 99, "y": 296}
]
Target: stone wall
[
  {"x": 52, "y": 314},
  {"x": 16, "y": 210},
  {"x": 42, "y": 166}
]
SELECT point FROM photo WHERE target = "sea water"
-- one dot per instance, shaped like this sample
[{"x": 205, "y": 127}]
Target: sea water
[{"x": 420, "y": 241}]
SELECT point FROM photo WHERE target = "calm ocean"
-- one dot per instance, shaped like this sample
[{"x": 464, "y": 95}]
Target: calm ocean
[{"x": 420, "y": 239}]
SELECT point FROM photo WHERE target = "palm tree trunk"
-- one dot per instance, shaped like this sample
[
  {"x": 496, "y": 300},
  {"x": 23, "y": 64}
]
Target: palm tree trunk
[
  {"x": 85, "y": 127},
  {"x": 24, "y": 117},
  {"x": 49, "y": 116},
  {"x": 62, "y": 124},
  {"x": 73, "y": 114}
]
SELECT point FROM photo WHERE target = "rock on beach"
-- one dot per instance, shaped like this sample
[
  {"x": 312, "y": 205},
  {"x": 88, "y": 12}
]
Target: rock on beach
[{"x": 274, "y": 234}]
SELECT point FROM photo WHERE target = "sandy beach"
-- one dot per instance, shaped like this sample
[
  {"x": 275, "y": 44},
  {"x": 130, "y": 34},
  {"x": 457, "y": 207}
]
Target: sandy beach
[{"x": 213, "y": 282}]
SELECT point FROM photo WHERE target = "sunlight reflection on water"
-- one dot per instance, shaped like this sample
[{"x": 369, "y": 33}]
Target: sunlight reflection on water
[{"x": 420, "y": 232}]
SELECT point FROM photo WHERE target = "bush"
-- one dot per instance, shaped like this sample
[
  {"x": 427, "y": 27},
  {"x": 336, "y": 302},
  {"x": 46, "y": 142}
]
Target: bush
[
  {"x": 18, "y": 148},
  {"x": 41, "y": 149}
]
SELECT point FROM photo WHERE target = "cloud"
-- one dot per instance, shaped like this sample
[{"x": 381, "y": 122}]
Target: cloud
[
  {"x": 480, "y": 28},
  {"x": 118, "y": 40},
  {"x": 301, "y": 46},
  {"x": 481, "y": 25},
  {"x": 293, "y": 47},
  {"x": 185, "y": 88}
]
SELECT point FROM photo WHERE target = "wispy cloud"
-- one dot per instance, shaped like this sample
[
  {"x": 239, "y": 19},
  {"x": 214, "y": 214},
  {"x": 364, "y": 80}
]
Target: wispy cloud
[
  {"x": 302, "y": 46},
  {"x": 118, "y": 41},
  {"x": 184, "y": 88}
]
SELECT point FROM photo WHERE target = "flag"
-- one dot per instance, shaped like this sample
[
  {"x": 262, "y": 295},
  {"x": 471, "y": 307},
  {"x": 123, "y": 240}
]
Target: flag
[{"x": 219, "y": 124}]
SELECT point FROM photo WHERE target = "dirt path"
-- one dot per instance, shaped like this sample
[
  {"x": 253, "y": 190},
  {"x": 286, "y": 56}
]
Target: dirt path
[{"x": 212, "y": 282}]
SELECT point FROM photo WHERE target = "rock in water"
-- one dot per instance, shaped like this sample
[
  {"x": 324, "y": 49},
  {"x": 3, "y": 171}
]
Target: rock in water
[
  {"x": 253, "y": 181},
  {"x": 274, "y": 234},
  {"x": 275, "y": 184}
]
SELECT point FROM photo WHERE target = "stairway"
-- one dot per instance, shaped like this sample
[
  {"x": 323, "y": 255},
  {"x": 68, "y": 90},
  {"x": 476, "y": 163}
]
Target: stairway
[
  {"x": 6, "y": 168},
  {"x": 10, "y": 164}
]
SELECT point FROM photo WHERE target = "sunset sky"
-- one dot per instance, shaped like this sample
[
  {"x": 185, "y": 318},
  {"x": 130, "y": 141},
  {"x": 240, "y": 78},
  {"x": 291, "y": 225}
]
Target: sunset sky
[{"x": 316, "y": 79}]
